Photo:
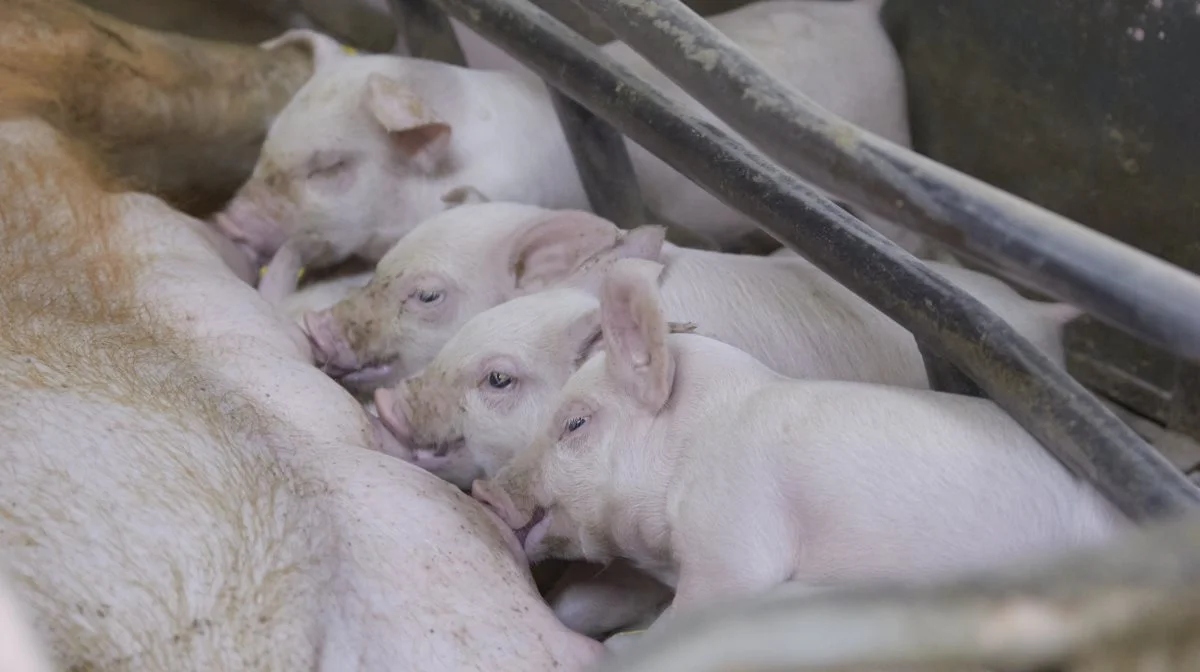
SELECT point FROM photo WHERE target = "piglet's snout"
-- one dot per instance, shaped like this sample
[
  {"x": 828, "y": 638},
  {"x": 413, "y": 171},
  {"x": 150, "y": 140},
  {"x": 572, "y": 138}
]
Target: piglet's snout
[
  {"x": 386, "y": 442},
  {"x": 330, "y": 350},
  {"x": 393, "y": 413},
  {"x": 497, "y": 500},
  {"x": 245, "y": 223},
  {"x": 482, "y": 493}
]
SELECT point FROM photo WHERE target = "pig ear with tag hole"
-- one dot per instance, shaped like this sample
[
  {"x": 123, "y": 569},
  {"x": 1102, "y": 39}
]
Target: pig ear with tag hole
[
  {"x": 553, "y": 248},
  {"x": 324, "y": 49},
  {"x": 414, "y": 129},
  {"x": 635, "y": 332},
  {"x": 466, "y": 195}
]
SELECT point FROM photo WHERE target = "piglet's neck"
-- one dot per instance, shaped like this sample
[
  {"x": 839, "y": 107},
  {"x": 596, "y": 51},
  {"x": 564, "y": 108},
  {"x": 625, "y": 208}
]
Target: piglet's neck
[{"x": 711, "y": 381}]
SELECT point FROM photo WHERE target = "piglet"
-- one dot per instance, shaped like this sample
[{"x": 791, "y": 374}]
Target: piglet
[
  {"x": 783, "y": 310},
  {"x": 366, "y": 149},
  {"x": 720, "y": 477}
]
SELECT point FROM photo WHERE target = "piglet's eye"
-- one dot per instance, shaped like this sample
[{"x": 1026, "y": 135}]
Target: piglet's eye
[
  {"x": 429, "y": 296},
  {"x": 327, "y": 169},
  {"x": 575, "y": 423},
  {"x": 499, "y": 380}
]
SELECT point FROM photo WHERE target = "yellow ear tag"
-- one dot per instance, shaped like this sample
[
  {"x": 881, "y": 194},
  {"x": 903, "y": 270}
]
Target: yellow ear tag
[
  {"x": 263, "y": 269},
  {"x": 348, "y": 50},
  {"x": 629, "y": 632}
]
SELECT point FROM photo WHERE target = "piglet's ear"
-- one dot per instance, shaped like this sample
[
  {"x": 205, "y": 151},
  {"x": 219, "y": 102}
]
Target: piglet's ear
[
  {"x": 644, "y": 242},
  {"x": 415, "y": 131},
  {"x": 324, "y": 49},
  {"x": 552, "y": 249},
  {"x": 635, "y": 332}
]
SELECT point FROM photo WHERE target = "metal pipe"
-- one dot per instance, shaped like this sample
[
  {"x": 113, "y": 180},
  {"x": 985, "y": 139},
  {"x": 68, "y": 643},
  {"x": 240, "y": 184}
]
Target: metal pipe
[
  {"x": 1125, "y": 287},
  {"x": 603, "y": 163},
  {"x": 1132, "y": 604},
  {"x": 1069, "y": 421},
  {"x": 607, "y": 173},
  {"x": 946, "y": 377},
  {"x": 427, "y": 32}
]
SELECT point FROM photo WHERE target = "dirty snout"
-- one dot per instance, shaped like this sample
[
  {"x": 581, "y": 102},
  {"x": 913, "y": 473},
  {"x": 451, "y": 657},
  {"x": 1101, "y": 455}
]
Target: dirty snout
[
  {"x": 254, "y": 221},
  {"x": 437, "y": 445},
  {"x": 331, "y": 349},
  {"x": 528, "y": 522},
  {"x": 386, "y": 442}
]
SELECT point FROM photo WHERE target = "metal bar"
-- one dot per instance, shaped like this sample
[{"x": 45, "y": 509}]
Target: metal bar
[
  {"x": 1185, "y": 400},
  {"x": 603, "y": 163},
  {"x": 427, "y": 32},
  {"x": 1069, "y": 421},
  {"x": 607, "y": 173},
  {"x": 1116, "y": 283},
  {"x": 1132, "y": 604},
  {"x": 946, "y": 377}
]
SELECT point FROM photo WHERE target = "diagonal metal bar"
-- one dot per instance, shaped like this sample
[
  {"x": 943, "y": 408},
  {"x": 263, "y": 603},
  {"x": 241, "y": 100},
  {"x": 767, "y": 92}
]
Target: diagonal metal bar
[
  {"x": 1070, "y": 422},
  {"x": 427, "y": 32},
  {"x": 1126, "y": 288},
  {"x": 603, "y": 163}
]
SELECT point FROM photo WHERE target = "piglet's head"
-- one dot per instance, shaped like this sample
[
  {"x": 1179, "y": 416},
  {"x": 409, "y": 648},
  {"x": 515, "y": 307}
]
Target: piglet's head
[
  {"x": 379, "y": 332},
  {"x": 450, "y": 268},
  {"x": 348, "y": 157},
  {"x": 482, "y": 399},
  {"x": 591, "y": 467}
]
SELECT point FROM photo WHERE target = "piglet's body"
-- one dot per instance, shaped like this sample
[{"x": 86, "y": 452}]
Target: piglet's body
[
  {"x": 371, "y": 144},
  {"x": 721, "y": 477}
]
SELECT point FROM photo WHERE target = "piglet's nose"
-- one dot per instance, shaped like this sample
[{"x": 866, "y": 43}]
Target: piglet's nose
[
  {"x": 393, "y": 414},
  {"x": 329, "y": 350}
]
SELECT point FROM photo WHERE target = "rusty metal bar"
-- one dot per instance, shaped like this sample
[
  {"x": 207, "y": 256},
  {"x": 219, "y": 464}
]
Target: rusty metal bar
[
  {"x": 1069, "y": 421},
  {"x": 1131, "y": 605},
  {"x": 1116, "y": 283}
]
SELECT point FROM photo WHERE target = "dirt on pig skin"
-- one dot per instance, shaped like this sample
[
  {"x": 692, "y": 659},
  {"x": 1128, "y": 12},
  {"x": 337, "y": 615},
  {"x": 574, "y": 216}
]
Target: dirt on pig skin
[{"x": 84, "y": 79}]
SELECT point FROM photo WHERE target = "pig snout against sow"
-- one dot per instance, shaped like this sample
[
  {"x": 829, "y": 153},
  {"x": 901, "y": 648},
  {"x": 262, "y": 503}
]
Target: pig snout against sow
[
  {"x": 443, "y": 455},
  {"x": 252, "y": 220},
  {"x": 330, "y": 349}
]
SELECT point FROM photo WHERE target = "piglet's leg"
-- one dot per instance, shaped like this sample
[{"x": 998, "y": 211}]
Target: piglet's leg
[
  {"x": 280, "y": 278},
  {"x": 730, "y": 552}
]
